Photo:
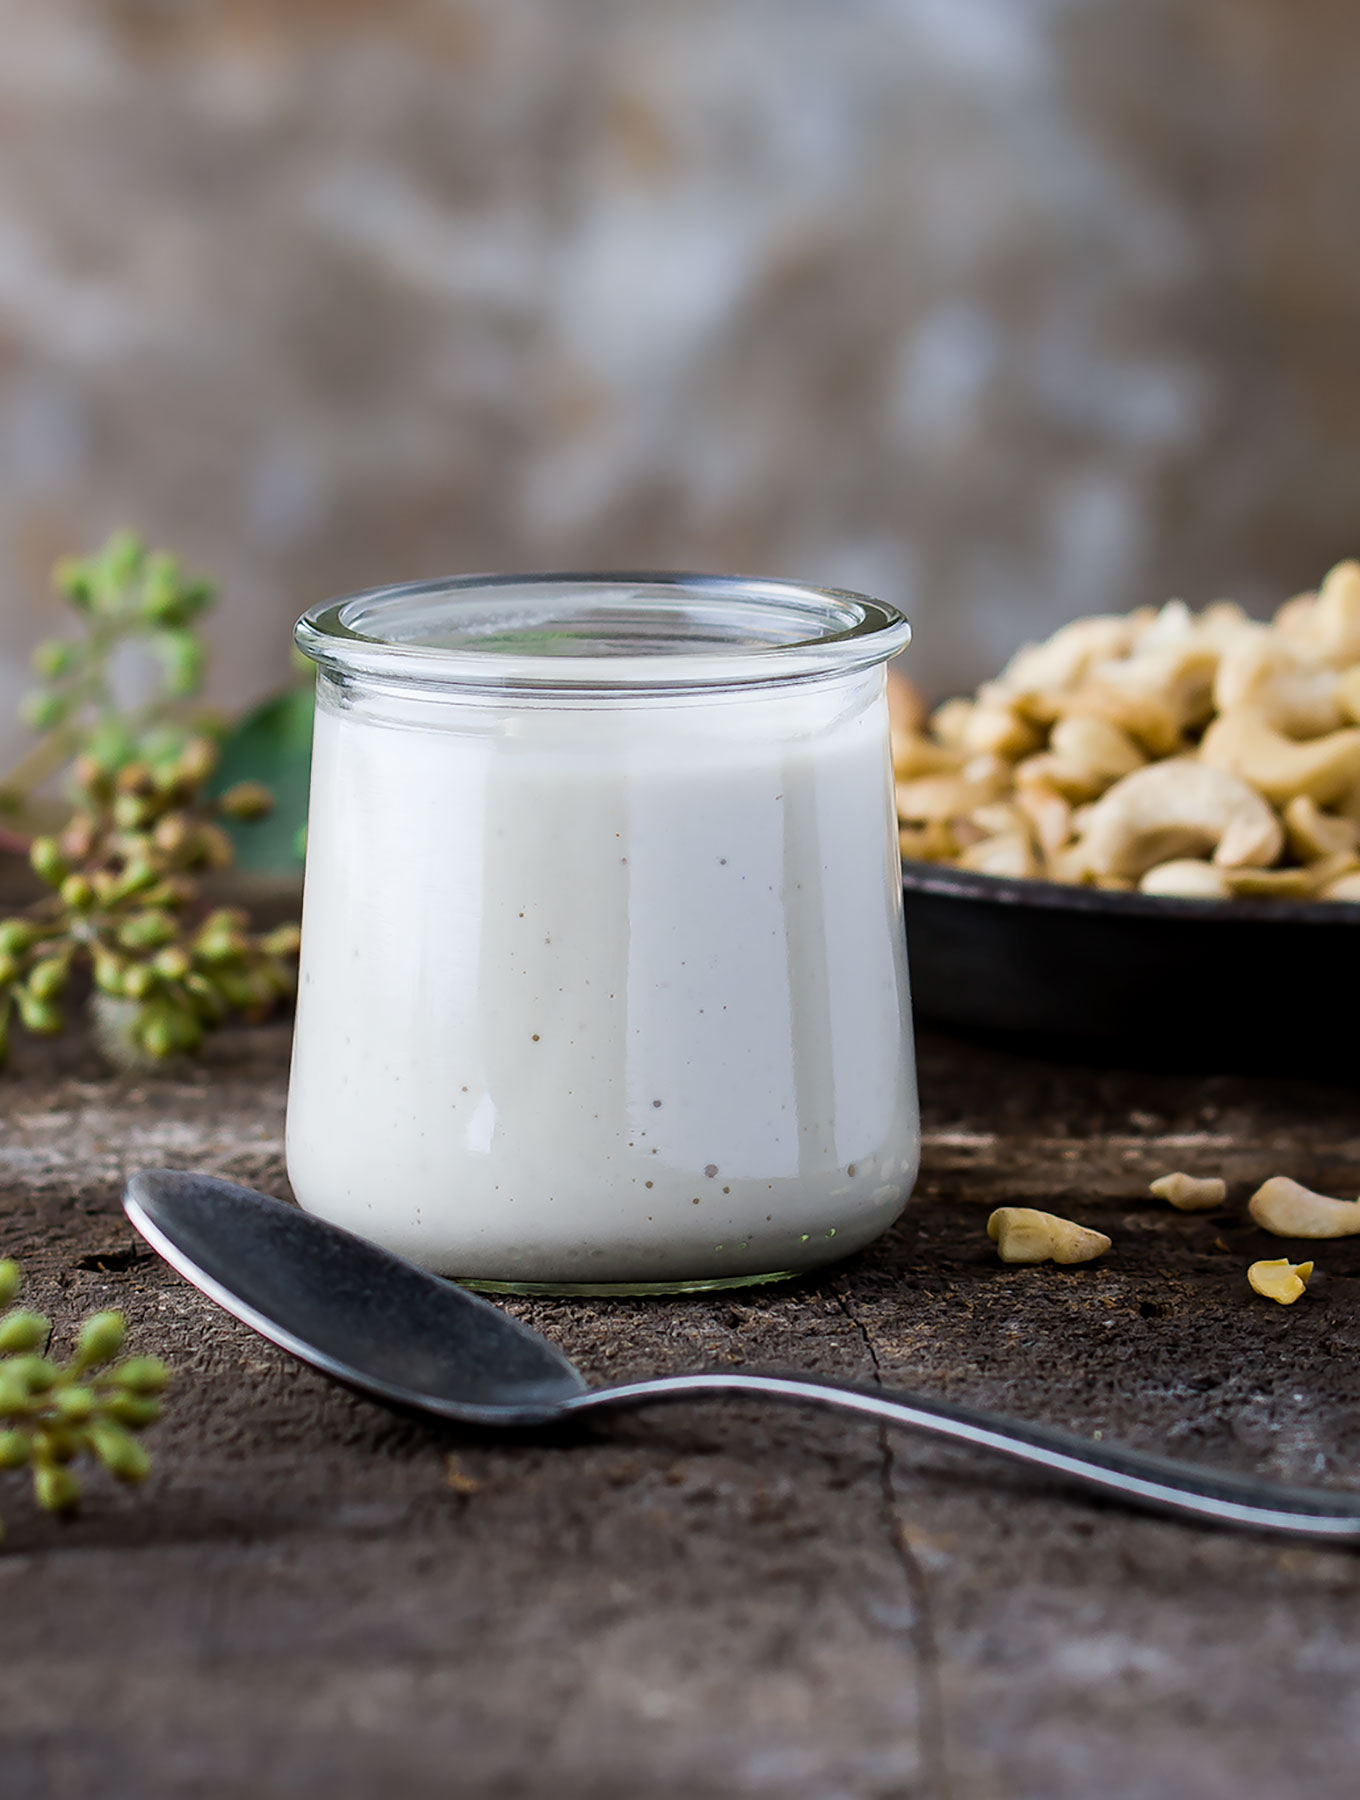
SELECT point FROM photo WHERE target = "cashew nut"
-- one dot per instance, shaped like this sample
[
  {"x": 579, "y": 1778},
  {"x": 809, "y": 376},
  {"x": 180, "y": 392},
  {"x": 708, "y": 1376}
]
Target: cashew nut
[
  {"x": 1326, "y": 626},
  {"x": 1178, "y": 808},
  {"x": 1062, "y": 661},
  {"x": 1313, "y": 833},
  {"x": 1346, "y": 887},
  {"x": 1186, "y": 878},
  {"x": 1279, "y": 1279},
  {"x": 1007, "y": 853},
  {"x": 1244, "y": 744},
  {"x": 1261, "y": 674},
  {"x": 1190, "y": 1193},
  {"x": 1023, "y": 1235},
  {"x": 1288, "y": 1209}
]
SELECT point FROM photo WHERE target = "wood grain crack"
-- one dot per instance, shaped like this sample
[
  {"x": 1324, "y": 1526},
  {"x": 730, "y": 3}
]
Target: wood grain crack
[{"x": 931, "y": 1713}]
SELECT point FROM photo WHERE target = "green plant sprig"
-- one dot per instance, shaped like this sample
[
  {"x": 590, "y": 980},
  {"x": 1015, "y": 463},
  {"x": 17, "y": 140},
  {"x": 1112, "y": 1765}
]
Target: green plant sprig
[
  {"x": 125, "y": 594},
  {"x": 125, "y": 903},
  {"x": 52, "y": 1414},
  {"x": 124, "y": 870}
]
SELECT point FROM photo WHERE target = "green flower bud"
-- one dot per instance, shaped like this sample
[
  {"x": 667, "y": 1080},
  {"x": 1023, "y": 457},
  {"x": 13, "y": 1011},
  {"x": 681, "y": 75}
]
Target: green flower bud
[
  {"x": 208, "y": 1003},
  {"x": 31, "y": 1374},
  {"x": 119, "y": 1451},
  {"x": 139, "y": 874},
  {"x": 172, "y": 964},
  {"x": 136, "y": 777},
  {"x": 101, "y": 1338},
  {"x": 47, "y": 979},
  {"x": 173, "y": 834},
  {"x": 57, "y": 1489},
  {"x": 121, "y": 560},
  {"x": 42, "y": 710},
  {"x": 21, "y": 1332},
  {"x": 108, "y": 972},
  {"x": 182, "y": 657},
  {"x": 141, "y": 1375},
  {"x": 16, "y": 1447},
  {"x": 131, "y": 811},
  {"x": 284, "y": 940},
  {"x": 161, "y": 603},
  {"x": 91, "y": 777},
  {"x": 15, "y": 1400},
  {"x": 16, "y": 936},
  {"x": 166, "y": 1029},
  {"x": 247, "y": 800},
  {"x": 42, "y": 1017},
  {"x": 147, "y": 930},
  {"x": 138, "y": 981},
  {"x": 132, "y": 1410},
  {"x": 210, "y": 848},
  {"x": 197, "y": 761},
  {"x": 55, "y": 657},
  {"x": 77, "y": 893},
  {"x": 48, "y": 862},
  {"x": 72, "y": 578},
  {"x": 77, "y": 841},
  {"x": 75, "y": 1406},
  {"x": 10, "y": 969},
  {"x": 11, "y": 1280}
]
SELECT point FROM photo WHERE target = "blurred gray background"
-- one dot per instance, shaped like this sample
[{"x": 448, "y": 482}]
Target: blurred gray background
[{"x": 1002, "y": 309}]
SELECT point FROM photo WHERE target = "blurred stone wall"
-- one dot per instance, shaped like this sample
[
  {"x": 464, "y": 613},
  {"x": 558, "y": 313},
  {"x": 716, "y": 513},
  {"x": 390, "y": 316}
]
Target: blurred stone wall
[{"x": 1003, "y": 309}]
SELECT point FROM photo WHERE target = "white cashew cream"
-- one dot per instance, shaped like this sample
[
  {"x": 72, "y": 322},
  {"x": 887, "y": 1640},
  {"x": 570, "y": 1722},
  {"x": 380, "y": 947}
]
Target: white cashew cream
[{"x": 603, "y": 995}]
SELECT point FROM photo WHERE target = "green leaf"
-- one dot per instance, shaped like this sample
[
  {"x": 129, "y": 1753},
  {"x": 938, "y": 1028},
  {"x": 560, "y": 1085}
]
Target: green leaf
[{"x": 272, "y": 745}]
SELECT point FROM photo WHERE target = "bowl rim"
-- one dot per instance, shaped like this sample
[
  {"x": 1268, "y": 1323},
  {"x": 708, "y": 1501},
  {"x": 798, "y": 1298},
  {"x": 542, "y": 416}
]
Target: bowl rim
[{"x": 947, "y": 882}]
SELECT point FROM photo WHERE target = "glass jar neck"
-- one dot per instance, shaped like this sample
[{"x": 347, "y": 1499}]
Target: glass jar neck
[{"x": 597, "y": 636}]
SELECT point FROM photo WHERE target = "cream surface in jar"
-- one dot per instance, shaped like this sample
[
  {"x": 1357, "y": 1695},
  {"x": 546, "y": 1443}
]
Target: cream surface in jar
[{"x": 603, "y": 974}]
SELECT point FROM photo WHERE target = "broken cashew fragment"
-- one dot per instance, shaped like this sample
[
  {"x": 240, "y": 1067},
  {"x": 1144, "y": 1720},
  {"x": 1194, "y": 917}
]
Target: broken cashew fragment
[
  {"x": 1279, "y": 1279},
  {"x": 1186, "y": 878},
  {"x": 1023, "y": 1235},
  {"x": 1346, "y": 887},
  {"x": 1288, "y": 1209},
  {"x": 1177, "y": 809},
  {"x": 1190, "y": 1193}
]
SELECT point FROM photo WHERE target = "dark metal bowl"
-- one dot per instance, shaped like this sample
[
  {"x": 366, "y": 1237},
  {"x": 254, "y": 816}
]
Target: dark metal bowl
[{"x": 1134, "y": 980}]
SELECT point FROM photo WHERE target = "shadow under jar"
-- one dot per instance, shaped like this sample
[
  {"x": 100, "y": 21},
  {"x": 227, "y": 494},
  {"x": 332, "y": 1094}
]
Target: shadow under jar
[{"x": 603, "y": 982}]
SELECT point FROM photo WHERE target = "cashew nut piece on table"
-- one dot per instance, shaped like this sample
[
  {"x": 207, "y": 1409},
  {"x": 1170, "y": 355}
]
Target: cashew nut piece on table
[
  {"x": 1279, "y": 1279},
  {"x": 1178, "y": 808},
  {"x": 1023, "y": 1235},
  {"x": 1288, "y": 1209},
  {"x": 1190, "y": 1193}
]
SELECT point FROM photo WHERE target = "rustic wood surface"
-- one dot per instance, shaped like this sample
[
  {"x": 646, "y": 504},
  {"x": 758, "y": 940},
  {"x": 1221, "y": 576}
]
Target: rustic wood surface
[{"x": 313, "y": 1597}]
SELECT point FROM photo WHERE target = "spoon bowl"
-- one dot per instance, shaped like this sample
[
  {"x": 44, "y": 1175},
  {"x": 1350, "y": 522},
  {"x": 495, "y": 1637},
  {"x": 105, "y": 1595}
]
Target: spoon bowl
[{"x": 410, "y": 1339}]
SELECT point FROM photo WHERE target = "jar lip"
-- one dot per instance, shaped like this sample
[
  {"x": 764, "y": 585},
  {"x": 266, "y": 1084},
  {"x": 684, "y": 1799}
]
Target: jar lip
[{"x": 610, "y": 631}]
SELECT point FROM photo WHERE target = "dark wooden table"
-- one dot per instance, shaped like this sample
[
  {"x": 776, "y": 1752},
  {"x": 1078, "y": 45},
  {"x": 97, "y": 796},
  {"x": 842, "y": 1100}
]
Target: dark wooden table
[{"x": 315, "y": 1598}]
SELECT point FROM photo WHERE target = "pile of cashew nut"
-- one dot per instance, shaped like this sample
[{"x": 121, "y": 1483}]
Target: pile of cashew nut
[{"x": 1199, "y": 755}]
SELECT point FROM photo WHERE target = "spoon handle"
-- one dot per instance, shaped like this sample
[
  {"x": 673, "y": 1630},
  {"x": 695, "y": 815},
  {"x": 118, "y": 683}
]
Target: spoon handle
[{"x": 1158, "y": 1483}]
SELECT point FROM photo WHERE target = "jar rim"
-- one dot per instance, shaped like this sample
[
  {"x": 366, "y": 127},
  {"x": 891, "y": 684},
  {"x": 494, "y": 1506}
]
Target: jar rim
[{"x": 612, "y": 631}]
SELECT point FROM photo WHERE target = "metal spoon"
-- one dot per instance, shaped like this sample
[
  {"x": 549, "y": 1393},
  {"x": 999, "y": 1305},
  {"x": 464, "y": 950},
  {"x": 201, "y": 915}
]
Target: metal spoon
[{"x": 408, "y": 1338}]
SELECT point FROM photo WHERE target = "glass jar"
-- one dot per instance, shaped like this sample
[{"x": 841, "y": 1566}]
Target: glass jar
[{"x": 603, "y": 983}]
